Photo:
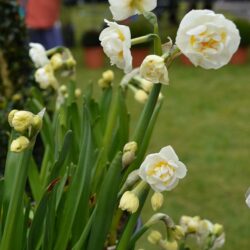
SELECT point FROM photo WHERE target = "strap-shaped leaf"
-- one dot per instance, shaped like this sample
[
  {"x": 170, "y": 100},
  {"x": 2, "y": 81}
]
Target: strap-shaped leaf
[{"x": 107, "y": 202}]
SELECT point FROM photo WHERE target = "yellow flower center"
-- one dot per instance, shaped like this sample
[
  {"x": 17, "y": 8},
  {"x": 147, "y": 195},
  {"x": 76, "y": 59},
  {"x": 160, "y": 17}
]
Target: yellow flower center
[
  {"x": 162, "y": 170},
  {"x": 136, "y": 4},
  {"x": 207, "y": 40}
]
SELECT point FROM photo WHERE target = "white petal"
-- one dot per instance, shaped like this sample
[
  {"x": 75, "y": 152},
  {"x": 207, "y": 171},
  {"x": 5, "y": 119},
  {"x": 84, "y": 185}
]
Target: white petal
[
  {"x": 181, "y": 170},
  {"x": 168, "y": 153}
]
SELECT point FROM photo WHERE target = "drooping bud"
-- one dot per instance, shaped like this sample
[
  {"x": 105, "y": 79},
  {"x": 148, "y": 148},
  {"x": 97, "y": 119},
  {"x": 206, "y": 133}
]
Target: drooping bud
[
  {"x": 157, "y": 200},
  {"x": 129, "y": 202},
  {"x": 108, "y": 76},
  {"x": 20, "y": 144},
  {"x": 56, "y": 61},
  {"x": 154, "y": 237},
  {"x": 141, "y": 96},
  {"x": 78, "y": 92}
]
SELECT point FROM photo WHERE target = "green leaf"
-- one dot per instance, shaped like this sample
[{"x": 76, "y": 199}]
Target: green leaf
[
  {"x": 80, "y": 186},
  {"x": 106, "y": 205},
  {"x": 34, "y": 181}
]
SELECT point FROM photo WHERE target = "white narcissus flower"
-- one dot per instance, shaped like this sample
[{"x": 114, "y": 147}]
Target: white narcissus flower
[
  {"x": 154, "y": 70},
  {"x": 209, "y": 40},
  {"x": 38, "y": 55},
  {"x": 123, "y": 9},
  {"x": 116, "y": 43},
  {"x": 45, "y": 77},
  {"x": 162, "y": 170}
]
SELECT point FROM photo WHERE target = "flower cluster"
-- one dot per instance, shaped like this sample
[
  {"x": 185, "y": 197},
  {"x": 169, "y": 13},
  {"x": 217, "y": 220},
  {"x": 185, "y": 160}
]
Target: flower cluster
[
  {"x": 27, "y": 125},
  {"x": 208, "y": 235},
  {"x": 47, "y": 62}
]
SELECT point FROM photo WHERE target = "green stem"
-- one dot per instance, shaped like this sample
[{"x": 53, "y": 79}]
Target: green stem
[
  {"x": 16, "y": 201},
  {"x": 144, "y": 39}
]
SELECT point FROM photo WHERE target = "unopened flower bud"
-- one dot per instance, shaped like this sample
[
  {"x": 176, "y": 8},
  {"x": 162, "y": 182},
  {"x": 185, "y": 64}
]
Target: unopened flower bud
[
  {"x": 170, "y": 245},
  {"x": 190, "y": 224},
  {"x": 129, "y": 202},
  {"x": 108, "y": 76},
  {"x": 157, "y": 200},
  {"x": 154, "y": 237},
  {"x": 146, "y": 85},
  {"x": 71, "y": 63},
  {"x": 56, "y": 61},
  {"x": 141, "y": 96},
  {"x": 78, "y": 92},
  {"x": 22, "y": 120},
  {"x": 20, "y": 144},
  {"x": 11, "y": 115},
  {"x": 63, "y": 89},
  {"x": 103, "y": 84},
  {"x": 129, "y": 153},
  {"x": 128, "y": 158},
  {"x": 218, "y": 229},
  {"x": 16, "y": 97},
  {"x": 130, "y": 146},
  {"x": 37, "y": 122},
  {"x": 178, "y": 232}
]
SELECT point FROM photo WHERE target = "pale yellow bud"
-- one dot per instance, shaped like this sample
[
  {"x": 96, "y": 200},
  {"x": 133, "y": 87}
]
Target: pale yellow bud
[
  {"x": 37, "y": 122},
  {"x": 103, "y": 84},
  {"x": 178, "y": 232},
  {"x": 11, "y": 115},
  {"x": 56, "y": 61},
  {"x": 146, "y": 85},
  {"x": 129, "y": 202},
  {"x": 108, "y": 76},
  {"x": 130, "y": 146},
  {"x": 22, "y": 120},
  {"x": 157, "y": 200},
  {"x": 63, "y": 89},
  {"x": 127, "y": 158},
  {"x": 141, "y": 96},
  {"x": 170, "y": 245},
  {"x": 20, "y": 144},
  {"x": 218, "y": 229},
  {"x": 78, "y": 93},
  {"x": 154, "y": 237},
  {"x": 16, "y": 97},
  {"x": 71, "y": 63}
]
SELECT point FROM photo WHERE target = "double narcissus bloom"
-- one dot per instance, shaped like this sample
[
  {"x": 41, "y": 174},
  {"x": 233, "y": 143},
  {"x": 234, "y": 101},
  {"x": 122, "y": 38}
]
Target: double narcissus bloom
[
  {"x": 162, "y": 170},
  {"x": 45, "y": 77},
  {"x": 209, "y": 40},
  {"x": 122, "y": 9},
  {"x": 153, "y": 69},
  {"x": 116, "y": 43},
  {"x": 38, "y": 55}
]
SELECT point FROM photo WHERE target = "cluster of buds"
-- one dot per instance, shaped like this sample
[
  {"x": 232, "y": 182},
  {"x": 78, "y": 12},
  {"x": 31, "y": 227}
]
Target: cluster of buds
[
  {"x": 106, "y": 80},
  {"x": 48, "y": 62},
  {"x": 207, "y": 234},
  {"x": 156, "y": 238},
  {"x": 27, "y": 125},
  {"x": 139, "y": 86}
]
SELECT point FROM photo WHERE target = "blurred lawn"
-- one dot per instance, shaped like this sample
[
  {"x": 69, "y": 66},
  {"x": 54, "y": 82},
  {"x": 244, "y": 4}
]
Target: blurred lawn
[{"x": 206, "y": 118}]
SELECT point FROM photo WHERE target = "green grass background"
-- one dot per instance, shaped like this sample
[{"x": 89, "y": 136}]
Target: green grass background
[{"x": 206, "y": 118}]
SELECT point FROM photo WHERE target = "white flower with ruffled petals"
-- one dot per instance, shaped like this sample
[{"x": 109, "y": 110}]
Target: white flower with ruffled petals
[
  {"x": 162, "y": 170},
  {"x": 209, "y": 40},
  {"x": 38, "y": 54},
  {"x": 123, "y": 9},
  {"x": 116, "y": 43},
  {"x": 153, "y": 69},
  {"x": 45, "y": 77}
]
